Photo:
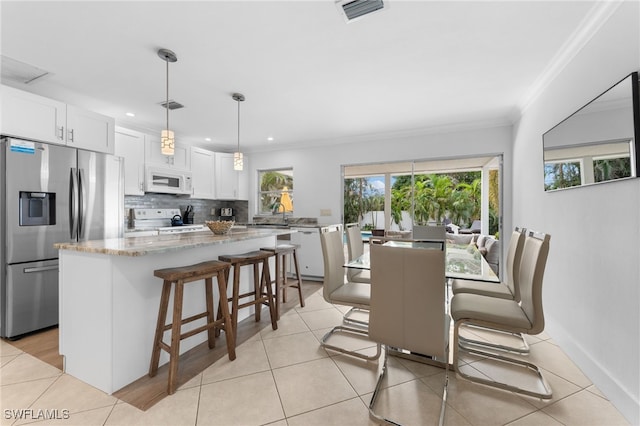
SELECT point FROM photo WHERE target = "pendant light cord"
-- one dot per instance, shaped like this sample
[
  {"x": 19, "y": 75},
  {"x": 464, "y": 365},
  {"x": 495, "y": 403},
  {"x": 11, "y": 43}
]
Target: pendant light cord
[
  {"x": 167, "y": 104},
  {"x": 238, "y": 125}
]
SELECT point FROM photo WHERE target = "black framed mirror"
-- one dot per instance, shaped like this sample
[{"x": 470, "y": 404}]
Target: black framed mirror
[{"x": 598, "y": 143}]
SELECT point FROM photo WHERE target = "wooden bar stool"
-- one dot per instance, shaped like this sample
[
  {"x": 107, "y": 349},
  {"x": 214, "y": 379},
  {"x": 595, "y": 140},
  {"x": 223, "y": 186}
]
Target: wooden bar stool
[
  {"x": 180, "y": 276},
  {"x": 281, "y": 251},
  {"x": 260, "y": 280}
]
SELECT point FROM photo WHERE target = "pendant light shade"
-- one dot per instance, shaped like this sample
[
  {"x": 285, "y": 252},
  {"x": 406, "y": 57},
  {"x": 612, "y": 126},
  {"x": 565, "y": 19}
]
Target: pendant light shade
[
  {"x": 238, "y": 160},
  {"x": 167, "y": 138}
]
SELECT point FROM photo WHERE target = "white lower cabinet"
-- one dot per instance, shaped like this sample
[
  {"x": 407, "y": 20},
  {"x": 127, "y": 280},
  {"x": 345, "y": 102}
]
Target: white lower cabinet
[{"x": 309, "y": 253}]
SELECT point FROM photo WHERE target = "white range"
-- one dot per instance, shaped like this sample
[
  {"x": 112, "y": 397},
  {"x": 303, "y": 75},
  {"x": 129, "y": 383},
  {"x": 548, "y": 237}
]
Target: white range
[{"x": 146, "y": 222}]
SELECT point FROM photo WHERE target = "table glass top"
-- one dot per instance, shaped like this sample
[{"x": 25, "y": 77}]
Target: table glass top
[{"x": 462, "y": 261}]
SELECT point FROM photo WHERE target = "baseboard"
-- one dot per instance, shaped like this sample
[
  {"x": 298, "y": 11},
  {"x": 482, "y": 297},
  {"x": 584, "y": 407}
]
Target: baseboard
[{"x": 619, "y": 395}]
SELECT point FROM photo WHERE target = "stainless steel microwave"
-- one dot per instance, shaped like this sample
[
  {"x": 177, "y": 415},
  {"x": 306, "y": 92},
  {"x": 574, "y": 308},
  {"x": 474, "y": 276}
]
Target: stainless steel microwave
[{"x": 168, "y": 181}]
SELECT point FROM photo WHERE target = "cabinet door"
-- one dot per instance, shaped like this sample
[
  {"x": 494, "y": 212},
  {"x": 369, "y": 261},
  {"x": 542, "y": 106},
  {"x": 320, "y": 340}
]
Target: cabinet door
[
  {"x": 90, "y": 130},
  {"x": 202, "y": 172},
  {"x": 226, "y": 177},
  {"x": 30, "y": 116},
  {"x": 181, "y": 158},
  {"x": 130, "y": 145}
]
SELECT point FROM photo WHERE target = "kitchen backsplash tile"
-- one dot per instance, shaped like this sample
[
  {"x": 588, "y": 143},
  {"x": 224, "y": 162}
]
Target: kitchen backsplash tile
[{"x": 201, "y": 208}]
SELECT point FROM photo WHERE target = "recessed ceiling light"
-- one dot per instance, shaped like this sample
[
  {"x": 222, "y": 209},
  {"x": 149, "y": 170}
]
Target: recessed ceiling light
[
  {"x": 270, "y": 139},
  {"x": 130, "y": 114},
  {"x": 207, "y": 139}
]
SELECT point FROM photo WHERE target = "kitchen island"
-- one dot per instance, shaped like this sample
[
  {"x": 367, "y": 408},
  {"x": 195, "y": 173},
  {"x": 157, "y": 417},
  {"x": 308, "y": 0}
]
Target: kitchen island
[{"x": 109, "y": 298}]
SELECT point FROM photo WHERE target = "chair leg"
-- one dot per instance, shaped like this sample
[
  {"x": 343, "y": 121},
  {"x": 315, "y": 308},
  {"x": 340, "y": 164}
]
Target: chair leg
[
  {"x": 280, "y": 283},
  {"x": 162, "y": 318},
  {"x": 383, "y": 371},
  {"x": 229, "y": 329},
  {"x": 473, "y": 343},
  {"x": 298, "y": 278},
  {"x": 347, "y": 317},
  {"x": 358, "y": 331},
  {"x": 174, "y": 352},
  {"x": 266, "y": 279},
  {"x": 211, "y": 332},
  {"x": 457, "y": 347}
]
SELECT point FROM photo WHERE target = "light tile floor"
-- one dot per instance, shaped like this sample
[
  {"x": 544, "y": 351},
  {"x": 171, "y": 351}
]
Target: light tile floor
[{"x": 284, "y": 377}]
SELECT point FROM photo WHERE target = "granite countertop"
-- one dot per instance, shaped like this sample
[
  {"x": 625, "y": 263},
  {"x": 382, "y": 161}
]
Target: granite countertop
[{"x": 140, "y": 246}]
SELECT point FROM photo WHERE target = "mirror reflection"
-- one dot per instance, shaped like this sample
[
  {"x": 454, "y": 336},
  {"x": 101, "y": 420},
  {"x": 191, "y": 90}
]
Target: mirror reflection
[{"x": 597, "y": 143}]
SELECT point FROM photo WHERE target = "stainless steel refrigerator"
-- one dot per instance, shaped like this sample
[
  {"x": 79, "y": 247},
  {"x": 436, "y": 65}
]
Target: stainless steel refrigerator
[{"x": 48, "y": 194}]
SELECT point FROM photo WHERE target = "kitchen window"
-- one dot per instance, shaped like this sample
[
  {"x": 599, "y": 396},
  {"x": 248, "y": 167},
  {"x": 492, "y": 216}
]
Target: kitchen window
[{"x": 276, "y": 191}]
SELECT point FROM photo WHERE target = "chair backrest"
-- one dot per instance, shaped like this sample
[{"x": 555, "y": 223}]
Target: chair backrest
[
  {"x": 408, "y": 288},
  {"x": 436, "y": 232},
  {"x": 531, "y": 272},
  {"x": 355, "y": 245},
  {"x": 514, "y": 255},
  {"x": 333, "y": 255}
]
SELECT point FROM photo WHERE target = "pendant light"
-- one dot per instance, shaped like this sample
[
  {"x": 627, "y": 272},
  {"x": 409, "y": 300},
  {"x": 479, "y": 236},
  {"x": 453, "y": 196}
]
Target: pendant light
[
  {"x": 238, "y": 161},
  {"x": 167, "y": 139}
]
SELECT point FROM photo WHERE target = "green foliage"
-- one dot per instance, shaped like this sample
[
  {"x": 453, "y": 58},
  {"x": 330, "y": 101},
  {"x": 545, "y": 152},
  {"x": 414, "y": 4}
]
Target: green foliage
[
  {"x": 272, "y": 183},
  {"x": 456, "y": 196}
]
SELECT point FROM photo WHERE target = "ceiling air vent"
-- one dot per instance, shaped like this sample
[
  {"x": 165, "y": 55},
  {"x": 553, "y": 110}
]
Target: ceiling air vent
[
  {"x": 172, "y": 105},
  {"x": 19, "y": 71},
  {"x": 356, "y": 9}
]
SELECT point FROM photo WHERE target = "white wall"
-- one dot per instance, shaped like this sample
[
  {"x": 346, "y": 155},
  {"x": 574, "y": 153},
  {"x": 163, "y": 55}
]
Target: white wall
[{"x": 592, "y": 279}]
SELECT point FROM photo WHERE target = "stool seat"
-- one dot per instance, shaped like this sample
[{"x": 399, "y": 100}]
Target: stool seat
[
  {"x": 281, "y": 251},
  {"x": 184, "y": 273},
  {"x": 260, "y": 280},
  {"x": 177, "y": 277},
  {"x": 245, "y": 258}
]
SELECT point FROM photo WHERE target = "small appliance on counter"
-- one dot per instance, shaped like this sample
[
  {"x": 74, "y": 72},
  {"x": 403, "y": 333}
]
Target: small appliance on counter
[{"x": 226, "y": 213}]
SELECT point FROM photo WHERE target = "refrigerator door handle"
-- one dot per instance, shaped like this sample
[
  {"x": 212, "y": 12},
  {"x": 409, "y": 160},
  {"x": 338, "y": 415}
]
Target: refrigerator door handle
[
  {"x": 40, "y": 269},
  {"x": 73, "y": 204},
  {"x": 81, "y": 204}
]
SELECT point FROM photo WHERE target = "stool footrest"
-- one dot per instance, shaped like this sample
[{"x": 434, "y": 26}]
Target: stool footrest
[{"x": 187, "y": 320}]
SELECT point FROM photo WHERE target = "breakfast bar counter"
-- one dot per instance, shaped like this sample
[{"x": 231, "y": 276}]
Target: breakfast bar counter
[{"x": 109, "y": 298}]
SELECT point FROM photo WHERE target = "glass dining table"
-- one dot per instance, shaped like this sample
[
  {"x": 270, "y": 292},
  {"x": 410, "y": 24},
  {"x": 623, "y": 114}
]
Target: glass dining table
[{"x": 461, "y": 260}]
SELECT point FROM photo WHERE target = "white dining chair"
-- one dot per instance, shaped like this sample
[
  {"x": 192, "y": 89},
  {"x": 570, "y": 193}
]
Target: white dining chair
[
  {"x": 508, "y": 288},
  {"x": 408, "y": 307},
  {"x": 526, "y": 316},
  {"x": 339, "y": 291}
]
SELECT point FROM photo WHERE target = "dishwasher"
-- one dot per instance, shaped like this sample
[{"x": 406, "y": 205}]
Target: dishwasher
[{"x": 309, "y": 254}]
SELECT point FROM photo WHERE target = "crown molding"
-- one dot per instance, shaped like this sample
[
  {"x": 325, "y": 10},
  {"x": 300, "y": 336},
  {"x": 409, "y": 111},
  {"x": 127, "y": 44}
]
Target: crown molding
[{"x": 597, "y": 16}]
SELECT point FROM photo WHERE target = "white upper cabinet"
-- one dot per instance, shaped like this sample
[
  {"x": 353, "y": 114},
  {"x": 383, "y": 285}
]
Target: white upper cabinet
[
  {"x": 90, "y": 130},
  {"x": 226, "y": 178},
  {"x": 181, "y": 158},
  {"x": 129, "y": 144},
  {"x": 202, "y": 173},
  {"x": 30, "y": 116}
]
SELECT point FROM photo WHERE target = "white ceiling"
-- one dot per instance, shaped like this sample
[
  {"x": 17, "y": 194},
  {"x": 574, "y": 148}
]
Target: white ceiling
[{"x": 308, "y": 76}]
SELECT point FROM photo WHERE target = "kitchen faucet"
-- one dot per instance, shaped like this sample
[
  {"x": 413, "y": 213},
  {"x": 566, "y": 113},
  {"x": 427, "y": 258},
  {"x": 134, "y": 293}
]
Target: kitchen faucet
[{"x": 275, "y": 208}]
